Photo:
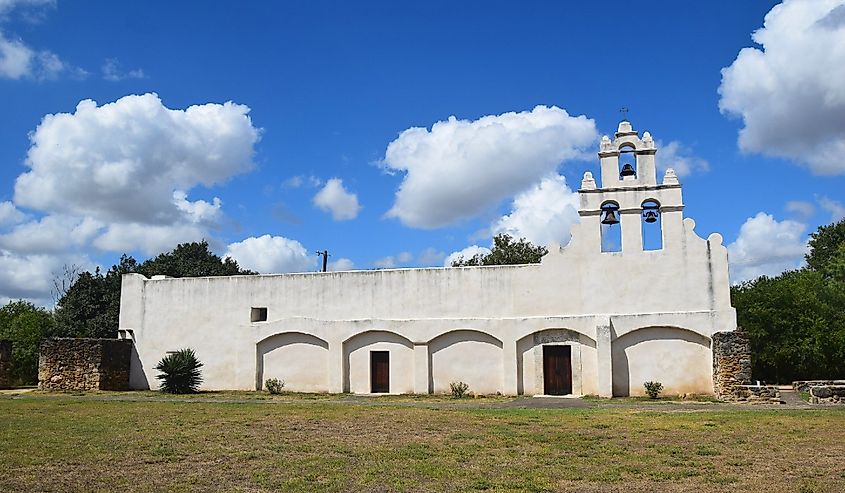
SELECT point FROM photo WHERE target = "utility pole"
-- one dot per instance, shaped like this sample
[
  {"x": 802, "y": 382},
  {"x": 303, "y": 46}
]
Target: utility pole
[{"x": 325, "y": 255}]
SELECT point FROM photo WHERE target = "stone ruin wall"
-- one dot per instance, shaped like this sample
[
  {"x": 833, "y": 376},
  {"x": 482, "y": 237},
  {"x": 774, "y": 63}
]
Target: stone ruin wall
[
  {"x": 84, "y": 364},
  {"x": 822, "y": 391},
  {"x": 5, "y": 364},
  {"x": 732, "y": 370}
]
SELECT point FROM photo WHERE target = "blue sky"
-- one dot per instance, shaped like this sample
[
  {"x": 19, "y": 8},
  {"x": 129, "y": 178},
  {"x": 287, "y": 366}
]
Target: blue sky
[{"x": 329, "y": 86}]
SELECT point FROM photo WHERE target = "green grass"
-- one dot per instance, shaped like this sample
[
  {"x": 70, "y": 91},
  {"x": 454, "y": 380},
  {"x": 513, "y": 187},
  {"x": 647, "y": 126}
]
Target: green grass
[{"x": 72, "y": 443}]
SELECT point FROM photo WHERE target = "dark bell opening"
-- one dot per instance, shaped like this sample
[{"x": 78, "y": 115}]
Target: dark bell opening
[{"x": 610, "y": 217}]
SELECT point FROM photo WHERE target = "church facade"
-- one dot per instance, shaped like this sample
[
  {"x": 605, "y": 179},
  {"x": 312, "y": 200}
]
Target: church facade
[{"x": 635, "y": 296}]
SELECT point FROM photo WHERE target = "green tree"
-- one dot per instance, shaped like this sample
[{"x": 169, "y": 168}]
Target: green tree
[
  {"x": 191, "y": 260},
  {"x": 26, "y": 326},
  {"x": 825, "y": 244},
  {"x": 796, "y": 320},
  {"x": 506, "y": 251},
  {"x": 91, "y": 306}
]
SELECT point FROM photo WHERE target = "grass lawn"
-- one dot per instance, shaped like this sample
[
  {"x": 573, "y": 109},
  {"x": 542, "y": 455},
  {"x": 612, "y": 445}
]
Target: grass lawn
[{"x": 72, "y": 443}]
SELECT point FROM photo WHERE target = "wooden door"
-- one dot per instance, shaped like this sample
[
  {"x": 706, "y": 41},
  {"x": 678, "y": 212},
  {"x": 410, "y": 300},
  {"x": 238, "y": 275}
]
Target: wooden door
[
  {"x": 379, "y": 371},
  {"x": 557, "y": 370}
]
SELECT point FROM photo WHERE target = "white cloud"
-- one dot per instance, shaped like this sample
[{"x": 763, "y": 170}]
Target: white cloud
[
  {"x": 116, "y": 178},
  {"x": 30, "y": 276},
  {"x": 341, "y": 264},
  {"x": 50, "y": 234},
  {"x": 151, "y": 239},
  {"x": 766, "y": 246},
  {"x": 271, "y": 254},
  {"x": 680, "y": 158},
  {"x": 542, "y": 214},
  {"x": 15, "y": 58},
  {"x": 390, "y": 262},
  {"x": 431, "y": 256},
  {"x": 802, "y": 210},
  {"x": 18, "y": 61},
  {"x": 834, "y": 207},
  {"x": 122, "y": 161},
  {"x": 198, "y": 211},
  {"x": 789, "y": 92},
  {"x": 9, "y": 214},
  {"x": 465, "y": 254},
  {"x": 112, "y": 71},
  {"x": 300, "y": 180},
  {"x": 334, "y": 198},
  {"x": 7, "y": 6},
  {"x": 459, "y": 168}
]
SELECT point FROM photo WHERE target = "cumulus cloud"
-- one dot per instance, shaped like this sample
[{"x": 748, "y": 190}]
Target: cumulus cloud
[
  {"x": 800, "y": 209},
  {"x": 459, "y": 168},
  {"x": 117, "y": 178},
  {"x": 15, "y": 58},
  {"x": 834, "y": 207},
  {"x": 341, "y": 264},
  {"x": 431, "y": 256},
  {"x": 29, "y": 276},
  {"x": 789, "y": 91},
  {"x": 393, "y": 261},
  {"x": 466, "y": 254},
  {"x": 122, "y": 161},
  {"x": 334, "y": 198},
  {"x": 767, "y": 247},
  {"x": 151, "y": 239},
  {"x": 680, "y": 158},
  {"x": 542, "y": 214},
  {"x": 271, "y": 255},
  {"x": 50, "y": 234},
  {"x": 9, "y": 214},
  {"x": 18, "y": 61}
]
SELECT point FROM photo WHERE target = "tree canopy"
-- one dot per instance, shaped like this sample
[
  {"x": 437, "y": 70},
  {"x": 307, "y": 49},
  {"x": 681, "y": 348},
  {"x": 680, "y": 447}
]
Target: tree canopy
[
  {"x": 25, "y": 325},
  {"x": 796, "y": 320},
  {"x": 91, "y": 306},
  {"x": 506, "y": 251}
]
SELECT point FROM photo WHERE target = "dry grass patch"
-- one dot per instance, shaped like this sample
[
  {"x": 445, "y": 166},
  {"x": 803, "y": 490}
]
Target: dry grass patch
[{"x": 67, "y": 444}]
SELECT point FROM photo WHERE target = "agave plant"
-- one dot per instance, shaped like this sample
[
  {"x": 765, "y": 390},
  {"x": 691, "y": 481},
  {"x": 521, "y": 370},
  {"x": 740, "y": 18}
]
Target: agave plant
[{"x": 180, "y": 372}]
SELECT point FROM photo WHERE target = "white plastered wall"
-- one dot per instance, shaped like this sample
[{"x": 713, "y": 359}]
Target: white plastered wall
[{"x": 448, "y": 324}]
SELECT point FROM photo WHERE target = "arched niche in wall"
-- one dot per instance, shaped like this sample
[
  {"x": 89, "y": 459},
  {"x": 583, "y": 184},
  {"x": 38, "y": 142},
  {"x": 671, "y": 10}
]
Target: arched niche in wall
[
  {"x": 468, "y": 356},
  {"x": 652, "y": 225},
  {"x": 678, "y": 358},
  {"x": 529, "y": 362},
  {"x": 299, "y": 359},
  {"x": 357, "y": 361}
]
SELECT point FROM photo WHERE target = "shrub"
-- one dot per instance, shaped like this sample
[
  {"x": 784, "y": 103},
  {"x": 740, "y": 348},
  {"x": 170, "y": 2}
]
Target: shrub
[
  {"x": 653, "y": 389},
  {"x": 180, "y": 372},
  {"x": 459, "y": 389},
  {"x": 274, "y": 385}
]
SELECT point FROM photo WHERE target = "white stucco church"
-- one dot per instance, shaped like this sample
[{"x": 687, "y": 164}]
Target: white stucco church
[{"x": 586, "y": 320}]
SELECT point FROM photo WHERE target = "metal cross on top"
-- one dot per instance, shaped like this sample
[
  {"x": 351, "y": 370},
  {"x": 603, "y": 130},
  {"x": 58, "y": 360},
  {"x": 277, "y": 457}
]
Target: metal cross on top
[{"x": 624, "y": 111}]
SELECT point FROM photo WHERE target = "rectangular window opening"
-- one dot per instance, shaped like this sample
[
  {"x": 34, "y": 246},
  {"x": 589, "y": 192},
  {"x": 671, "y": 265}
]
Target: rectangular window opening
[{"x": 258, "y": 314}]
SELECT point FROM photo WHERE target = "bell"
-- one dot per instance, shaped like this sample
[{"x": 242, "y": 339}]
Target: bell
[
  {"x": 627, "y": 170},
  {"x": 610, "y": 217},
  {"x": 650, "y": 217}
]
